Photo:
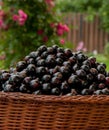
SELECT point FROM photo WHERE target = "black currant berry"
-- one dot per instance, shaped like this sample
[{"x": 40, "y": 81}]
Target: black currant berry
[
  {"x": 85, "y": 92},
  {"x": 46, "y": 88},
  {"x": 21, "y": 65},
  {"x": 101, "y": 78},
  {"x": 46, "y": 78},
  {"x": 55, "y": 91},
  {"x": 31, "y": 69},
  {"x": 34, "y": 85},
  {"x": 65, "y": 88}
]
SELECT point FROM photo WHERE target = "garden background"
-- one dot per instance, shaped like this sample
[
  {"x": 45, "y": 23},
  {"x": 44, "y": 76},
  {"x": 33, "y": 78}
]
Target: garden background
[{"x": 79, "y": 25}]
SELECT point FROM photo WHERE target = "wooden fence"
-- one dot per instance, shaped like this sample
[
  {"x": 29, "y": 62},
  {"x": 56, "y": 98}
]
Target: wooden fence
[{"x": 90, "y": 33}]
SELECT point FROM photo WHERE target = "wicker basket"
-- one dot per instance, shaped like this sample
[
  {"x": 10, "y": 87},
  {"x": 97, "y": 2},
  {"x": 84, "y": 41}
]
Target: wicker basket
[{"x": 30, "y": 112}]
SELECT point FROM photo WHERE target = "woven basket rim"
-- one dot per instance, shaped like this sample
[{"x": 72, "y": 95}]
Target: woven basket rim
[{"x": 14, "y": 96}]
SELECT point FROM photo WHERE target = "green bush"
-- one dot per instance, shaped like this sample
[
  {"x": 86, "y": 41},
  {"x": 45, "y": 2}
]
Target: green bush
[
  {"x": 89, "y": 7},
  {"x": 27, "y": 24}
]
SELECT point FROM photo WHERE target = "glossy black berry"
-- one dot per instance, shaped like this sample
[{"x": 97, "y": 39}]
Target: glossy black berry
[
  {"x": 21, "y": 65},
  {"x": 4, "y": 76},
  {"x": 107, "y": 81},
  {"x": 86, "y": 68},
  {"x": 87, "y": 62},
  {"x": 90, "y": 77},
  {"x": 8, "y": 88},
  {"x": 68, "y": 52},
  {"x": 55, "y": 81},
  {"x": 59, "y": 61},
  {"x": 74, "y": 92},
  {"x": 26, "y": 58},
  {"x": 23, "y": 73},
  {"x": 75, "y": 67},
  {"x": 93, "y": 87},
  {"x": 40, "y": 71},
  {"x": 81, "y": 57},
  {"x": 37, "y": 92},
  {"x": 60, "y": 50},
  {"x": 103, "y": 64},
  {"x": 74, "y": 81},
  {"x": 105, "y": 91},
  {"x": 101, "y": 78},
  {"x": 85, "y": 92},
  {"x": 58, "y": 75},
  {"x": 31, "y": 61},
  {"x": 72, "y": 60},
  {"x": 93, "y": 71},
  {"x": 60, "y": 55},
  {"x": 15, "y": 79},
  {"x": 65, "y": 88},
  {"x": 50, "y": 61},
  {"x": 42, "y": 48},
  {"x": 101, "y": 68},
  {"x": 34, "y": 85},
  {"x": 81, "y": 73},
  {"x": 31, "y": 69},
  {"x": 46, "y": 88},
  {"x": 92, "y": 61},
  {"x": 27, "y": 80},
  {"x": 65, "y": 71},
  {"x": 55, "y": 91},
  {"x": 55, "y": 47},
  {"x": 98, "y": 92},
  {"x": 34, "y": 54},
  {"x": 41, "y": 62},
  {"x": 50, "y": 50},
  {"x": 101, "y": 86},
  {"x": 67, "y": 64},
  {"x": 84, "y": 83},
  {"x": 46, "y": 78},
  {"x": 23, "y": 88},
  {"x": 44, "y": 54}
]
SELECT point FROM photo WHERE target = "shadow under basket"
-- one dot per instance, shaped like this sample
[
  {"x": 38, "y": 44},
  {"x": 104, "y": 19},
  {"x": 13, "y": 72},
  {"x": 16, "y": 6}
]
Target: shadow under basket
[{"x": 38, "y": 112}]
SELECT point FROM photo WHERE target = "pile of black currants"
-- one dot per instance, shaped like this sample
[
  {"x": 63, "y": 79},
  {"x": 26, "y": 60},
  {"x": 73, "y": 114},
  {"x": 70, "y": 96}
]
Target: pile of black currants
[{"x": 56, "y": 71}]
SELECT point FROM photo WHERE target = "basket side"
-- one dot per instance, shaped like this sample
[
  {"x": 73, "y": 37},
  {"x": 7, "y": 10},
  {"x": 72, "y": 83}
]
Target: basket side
[{"x": 22, "y": 111}]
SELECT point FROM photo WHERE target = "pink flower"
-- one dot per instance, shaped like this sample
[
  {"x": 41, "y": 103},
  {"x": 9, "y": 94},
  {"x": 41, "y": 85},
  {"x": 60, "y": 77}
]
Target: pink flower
[
  {"x": 84, "y": 49},
  {"x": 45, "y": 39},
  {"x": 61, "y": 29},
  {"x": 62, "y": 41},
  {"x": 22, "y": 14},
  {"x": 40, "y": 32},
  {"x": 81, "y": 47},
  {"x": 52, "y": 25},
  {"x": 20, "y": 18},
  {"x": 66, "y": 28},
  {"x": 1, "y": 23},
  {"x": 15, "y": 17},
  {"x": 5, "y": 27},
  {"x": 21, "y": 21},
  {"x": 60, "y": 32},
  {"x": 50, "y": 3},
  {"x": 2, "y": 13}
]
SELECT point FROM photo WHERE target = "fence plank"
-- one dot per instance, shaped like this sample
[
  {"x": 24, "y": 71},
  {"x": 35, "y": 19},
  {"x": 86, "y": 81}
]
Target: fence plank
[{"x": 93, "y": 37}]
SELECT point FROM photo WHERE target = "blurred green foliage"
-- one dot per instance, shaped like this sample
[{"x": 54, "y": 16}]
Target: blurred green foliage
[
  {"x": 89, "y": 7},
  {"x": 18, "y": 40}
]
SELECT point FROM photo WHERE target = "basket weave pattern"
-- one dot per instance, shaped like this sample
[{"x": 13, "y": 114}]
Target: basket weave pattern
[{"x": 30, "y": 112}]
